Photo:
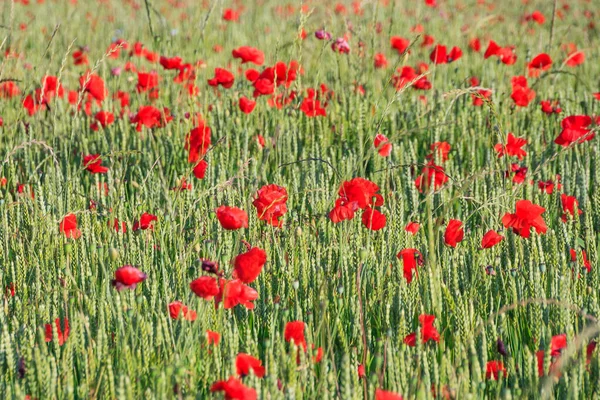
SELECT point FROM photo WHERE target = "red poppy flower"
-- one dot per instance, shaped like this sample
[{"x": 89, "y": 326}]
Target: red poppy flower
[
  {"x": 586, "y": 262},
  {"x": 294, "y": 331},
  {"x": 373, "y": 219},
  {"x": 94, "y": 85},
  {"x": 380, "y": 61},
  {"x": 213, "y": 337},
  {"x": 439, "y": 149},
  {"x": 170, "y": 63},
  {"x": 234, "y": 390},
  {"x": 513, "y": 147},
  {"x": 343, "y": 210},
  {"x": 478, "y": 100},
  {"x": 128, "y": 277},
  {"x": 550, "y": 107},
  {"x": 439, "y": 54},
  {"x": 526, "y": 216},
  {"x": 146, "y": 221},
  {"x": 68, "y": 227},
  {"x": 362, "y": 192},
  {"x": 177, "y": 308},
  {"x": 493, "y": 370},
  {"x": 490, "y": 239},
  {"x": 454, "y": 233},
  {"x": 231, "y": 15},
  {"x": 200, "y": 169},
  {"x": 197, "y": 142},
  {"x": 146, "y": 81},
  {"x": 51, "y": 87},
  {"x": 80, "y": 58},
  {"x": 270, "y": 204},
  {"x": 386, "y": 395},
  {"x": 311, "y": 106},
  {"x": 557, "y": 344},
  {"x": 410, "y": 259},
  {"x": 9, "y": 89},
  {"x": 151, "y": 117},
  {"x": 431, "y": 174},
  {"x": 205, "y": 287},
  {"x": 361, "y": 371},
  {"x": 575, "y": 58},
  {"x": 537, "y": 17},
  {"x": 408, "y": 75},
  {"x": 103, "y": 119},
  {"x": 568, "y": 204},
  {"x": 541, "y": 62},
  {"x": 428, "y": 331},
  {"x": 574, "y": 130},
  {"x": 399, "y": 43},
  {"x": 92, "y": 162},
  {"x": 223, "y": 78},
  {"x": 522, "y": 95},
  {"x": 232, "y": 218},
  {"x": 235, "y": 293},
  {"x": 412, "y": 227},
  {"x": 505, "y": 54},
  {"x": 383, "y": 145},
  {"x": 118, "y": 226},
  {"x": 475, "y": 44},
  {"x": 61, "y": 334},
  {"x": 244, "y": 363},
  {"x": 249, "y": 54},
  {"x": 246, "y": 105},
  {"x": 249, "y": 265}
]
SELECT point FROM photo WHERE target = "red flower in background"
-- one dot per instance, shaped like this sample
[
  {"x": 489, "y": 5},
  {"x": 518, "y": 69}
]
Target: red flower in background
[
  {"x": 400, "y": 44},
  {"x": 311, "y": 106},
  {"x": 454, "y": 233},
  {"x": 379, "y": 60},
  {"x": 550, "y": 107},
  {"x": 68, "y": 227},
  {"x": 386, "y": 395},
  {"x": 92, "y": 162},
  {"x": 526, "y": 216},
  {"x": 439, "y": 55},
  {"x": 197, "y": 142},
  {"x": 151, "y": 117},
  {"x": 410, "y": 259},
  {"x": 541, "y": 62},
  {"x": 373, "y": 219},
  {"x": 247, "y": 266},
  {"x": 249, "y": 54},
  {"x": 223, "y": 78},
  {"x": 493, "y": 370},
  {"x": 103, "y": 119},
  {"x": 490, "y": 239},
  {"x": 127, "y": 277},
  {"x": 383, "y": 145},
  {"x": 171, "y": 63},
  {"x": 62, "y": 334},
  {"x": 432, "y": 176},
  {"x": 231, "y": 15},
  {"x": 568, "y": 204},
  {"x": 94, "y": 85},
  {"x": 505, "y": 54},
  {"x": 428, "y": 331},
  {"x": 246, "y": 105},
  {"x": 146, "y": 221},
  {"x": 235, "y": 292},
  {"x": 575, "y": 129},
  {"x": 412, "y": 227},
  {"x": 270, "y": 204},
  {"x": 234, "y": 389},
  {"x": 513, "y": 147},
  {"x": 522, "y": 95},
  {"x": 177, "y": 308},
  {"x": 205, "y": 287},
  {"x": 294, "y": 331},
  {"x": 586, "y": 263},
  {"x": 244, "y": 363},
  {"x": 232, "y": 218},
  {"x": 200, "y": 169}
]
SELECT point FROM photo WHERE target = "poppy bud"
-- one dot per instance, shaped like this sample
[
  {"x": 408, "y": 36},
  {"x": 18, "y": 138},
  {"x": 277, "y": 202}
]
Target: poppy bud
[
  {"x": 68, "y": 248},
  {"x": 363, "y": 254},
  {"x": 501, "y": 348},
  {"x": 542, "y": 268},
  {"x": 113, "y": 253},
  {"x": 295, "y": 285}
]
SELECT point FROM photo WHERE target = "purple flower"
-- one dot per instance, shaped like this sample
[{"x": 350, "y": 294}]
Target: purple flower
[{"x": 322, "y": 35}]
